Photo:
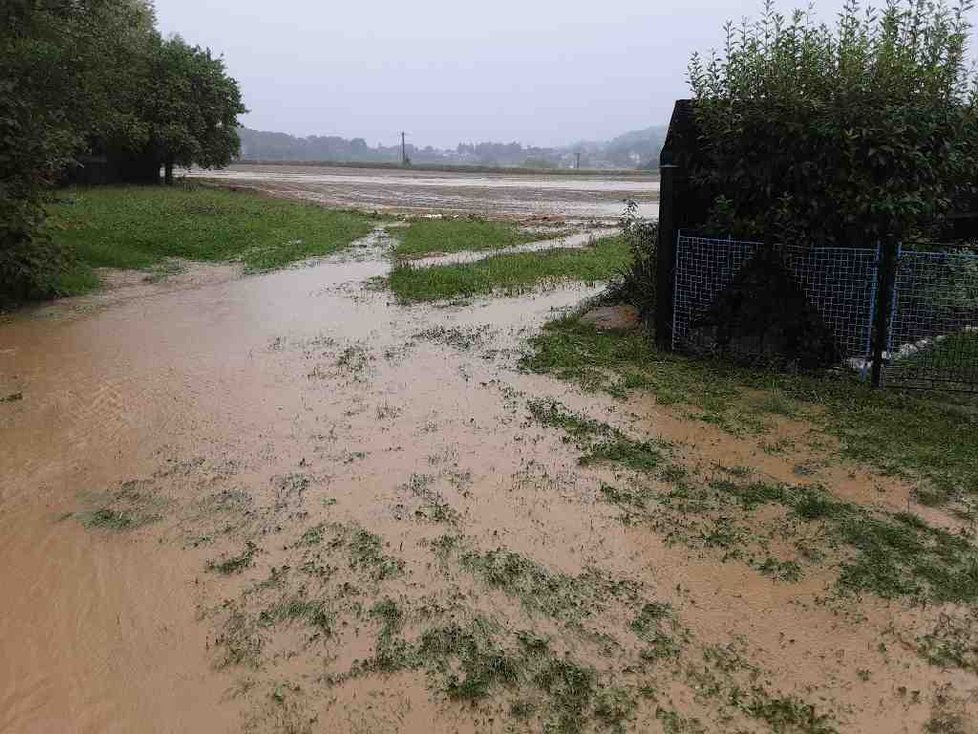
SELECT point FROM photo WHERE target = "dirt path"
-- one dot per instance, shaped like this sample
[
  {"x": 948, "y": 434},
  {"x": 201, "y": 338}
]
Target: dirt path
[{"x": 284, "y": 503}]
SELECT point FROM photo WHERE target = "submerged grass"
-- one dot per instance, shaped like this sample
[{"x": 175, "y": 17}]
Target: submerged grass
[
  {"x": 888, "y": 554},
  {"x": 932, "y": 440},
  {"x": 235, "y": 563},
  {"x": 893, "y": 554},
  {"x": 132, "y": 505},
  {"x": 138, "y": 227},
  {"x": 508, "y": 274},
  {"x": 429, "y": 236}
]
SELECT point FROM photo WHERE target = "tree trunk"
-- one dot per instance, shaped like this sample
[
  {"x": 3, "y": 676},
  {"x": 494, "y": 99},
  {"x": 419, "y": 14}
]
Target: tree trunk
[{"x": 168, "y": 172}]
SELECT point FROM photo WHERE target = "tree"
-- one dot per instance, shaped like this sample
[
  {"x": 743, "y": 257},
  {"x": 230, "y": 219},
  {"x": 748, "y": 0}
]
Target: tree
[
  {"x": 192, "y": 108},
  {"x": 61, "y": 72},
  {"x": 94, "y": 76},
  {"x": 843, "y": 134}
]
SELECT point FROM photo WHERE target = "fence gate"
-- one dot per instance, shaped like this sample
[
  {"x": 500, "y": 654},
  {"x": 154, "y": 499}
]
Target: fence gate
[{"x": 933, "y": 337}]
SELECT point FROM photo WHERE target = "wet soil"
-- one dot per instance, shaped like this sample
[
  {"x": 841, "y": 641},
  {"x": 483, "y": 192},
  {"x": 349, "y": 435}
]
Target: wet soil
[
  {"x": 486, "y": 194},
  {"x": 242, "y": 503}
]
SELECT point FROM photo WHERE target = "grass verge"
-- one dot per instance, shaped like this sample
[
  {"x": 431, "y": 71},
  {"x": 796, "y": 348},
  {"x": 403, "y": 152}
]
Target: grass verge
[
  {"x": 428, "y": 236},
  {"x": 929, "y": 439},
  {"x": 508, "y": 274},
  {"x": 139, "y": 227}
]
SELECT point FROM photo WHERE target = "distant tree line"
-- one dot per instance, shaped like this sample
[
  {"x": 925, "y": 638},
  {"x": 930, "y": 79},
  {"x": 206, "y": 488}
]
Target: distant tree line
[
  {"x": 94, "y": 81},
  {"x": 638, "y": 149}
]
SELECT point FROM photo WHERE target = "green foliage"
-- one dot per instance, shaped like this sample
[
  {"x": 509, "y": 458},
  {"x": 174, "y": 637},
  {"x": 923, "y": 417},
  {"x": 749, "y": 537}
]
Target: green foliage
[
  {"x": 637, "y": 279},
  {"x": 235, "y": 564},
  {"x": 841, "y": 134},
  {"x": 191, "y": 107}
]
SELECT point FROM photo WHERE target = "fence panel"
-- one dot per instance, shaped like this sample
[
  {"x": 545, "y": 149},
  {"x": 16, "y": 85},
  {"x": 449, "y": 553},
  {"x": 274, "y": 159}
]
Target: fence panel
[
  {"x": 933, "y": 340},
  {"x": 704, "y": 268},
  {"x": 805, "y": 307}
]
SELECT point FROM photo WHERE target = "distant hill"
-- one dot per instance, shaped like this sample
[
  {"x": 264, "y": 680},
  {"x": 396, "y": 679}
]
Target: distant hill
[{"x": 638, "y": 149}]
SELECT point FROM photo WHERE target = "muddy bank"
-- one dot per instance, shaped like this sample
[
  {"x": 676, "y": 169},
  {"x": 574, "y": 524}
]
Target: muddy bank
[
  {"x": 490, "y": 194},
  {"x": 284, "y": 503}
]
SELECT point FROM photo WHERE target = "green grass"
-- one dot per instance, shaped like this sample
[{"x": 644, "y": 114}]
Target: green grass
[
  {"x": 558, "y": 595},
  {"x": 117, "y": 520},
  {"x": 891, "y": 555},
  {"x": 138, "y": 227},
  {"x": 928, "y": 439},
  {"x": 229, "y": 565},
  {"x": 428, "y": 236},
  {"x": 474, "y": 661},
  {"x": 955, "y": 356},
  {"x": 602, "y": 443},
  {"x": 508, "y": 274},
  {"x": 129, "y": 507},
  {"x": 953, "y": 641},
  {"x": 366, "y": 551}
]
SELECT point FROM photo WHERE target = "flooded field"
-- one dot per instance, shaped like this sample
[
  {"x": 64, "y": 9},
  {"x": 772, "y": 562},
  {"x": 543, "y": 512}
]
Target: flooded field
[
  {"x": 284, "y": 503},
  {"x": 487, "y": 194}
]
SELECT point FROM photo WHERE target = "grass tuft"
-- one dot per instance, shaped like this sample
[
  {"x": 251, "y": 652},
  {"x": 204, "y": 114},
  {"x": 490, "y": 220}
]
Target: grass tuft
[
  {"x": 237, "y": 563},
  {"x": 508, "y": 274},
  {"x": 431, "y": 236}
]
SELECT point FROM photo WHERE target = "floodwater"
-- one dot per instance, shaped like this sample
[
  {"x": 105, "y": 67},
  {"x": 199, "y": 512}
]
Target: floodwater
[
  {"x": 252, "y": 426},
  {"x": 489, "y": 194}
]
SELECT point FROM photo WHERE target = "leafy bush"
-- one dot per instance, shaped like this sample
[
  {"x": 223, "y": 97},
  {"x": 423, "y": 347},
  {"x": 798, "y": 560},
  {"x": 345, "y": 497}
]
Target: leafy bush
[
  {"x": 636, "y": 281},
  {"x": 841, "y": 134}
]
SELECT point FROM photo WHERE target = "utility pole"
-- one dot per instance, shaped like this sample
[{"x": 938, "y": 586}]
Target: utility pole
[
  {"x": 403, "y": 151},
  {"x": 578, "y": 165}
]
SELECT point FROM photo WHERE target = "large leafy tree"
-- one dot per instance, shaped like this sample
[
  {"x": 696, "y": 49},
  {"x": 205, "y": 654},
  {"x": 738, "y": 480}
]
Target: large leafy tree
[
  {"x": 842, "y": 134},
  {"x": 191, "y": 107}
]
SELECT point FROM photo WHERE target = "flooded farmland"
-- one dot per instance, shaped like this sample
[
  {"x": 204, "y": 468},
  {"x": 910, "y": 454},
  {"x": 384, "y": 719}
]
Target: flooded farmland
[
  {"x": 522, "y": 195},
  {"x": 285, "y": 503}
]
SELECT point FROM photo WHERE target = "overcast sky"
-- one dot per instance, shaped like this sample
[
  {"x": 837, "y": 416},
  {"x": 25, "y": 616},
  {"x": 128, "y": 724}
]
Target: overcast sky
[{"x": 541, "y": 72}]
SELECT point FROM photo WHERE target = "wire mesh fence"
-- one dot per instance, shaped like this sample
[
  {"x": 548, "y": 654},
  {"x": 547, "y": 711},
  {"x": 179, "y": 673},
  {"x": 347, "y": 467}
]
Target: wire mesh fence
[
  {"x": 933, "y": 339},
  {"x": 816, "y": 307},
  {"x": 782, "y": 305}
]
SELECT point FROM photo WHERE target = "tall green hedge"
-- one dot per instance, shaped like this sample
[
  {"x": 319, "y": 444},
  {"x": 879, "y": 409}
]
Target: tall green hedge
[{"x": 839, "y": 134}]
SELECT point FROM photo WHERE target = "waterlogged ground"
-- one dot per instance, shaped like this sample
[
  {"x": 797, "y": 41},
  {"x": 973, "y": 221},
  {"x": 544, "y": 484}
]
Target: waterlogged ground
[
  {"x": 285, "y": 503},
  {"x": 598, "y": 196}
]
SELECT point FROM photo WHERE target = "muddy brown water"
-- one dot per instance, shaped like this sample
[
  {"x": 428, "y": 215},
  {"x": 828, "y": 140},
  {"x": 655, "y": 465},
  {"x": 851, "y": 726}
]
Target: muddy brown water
[
  {"x": 226, "y": 387},
  {"x": 490, "y": 194}
]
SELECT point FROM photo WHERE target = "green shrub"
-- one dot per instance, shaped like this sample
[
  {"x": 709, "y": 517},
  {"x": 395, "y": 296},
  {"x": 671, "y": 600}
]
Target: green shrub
[
  {"x": 842, "y": 134},
  {"x": 636, "y": 280}
]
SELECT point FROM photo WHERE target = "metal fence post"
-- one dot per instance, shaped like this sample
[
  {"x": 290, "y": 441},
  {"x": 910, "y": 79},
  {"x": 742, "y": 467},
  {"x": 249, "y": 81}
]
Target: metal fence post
[
  {"x": 665, "y": 258},
  {"x": 884, "y": 306}
]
